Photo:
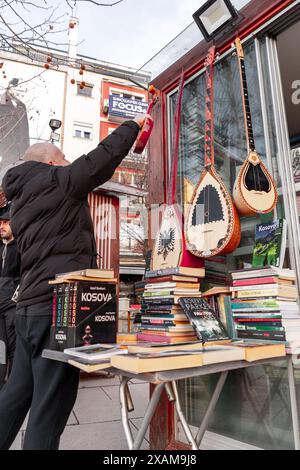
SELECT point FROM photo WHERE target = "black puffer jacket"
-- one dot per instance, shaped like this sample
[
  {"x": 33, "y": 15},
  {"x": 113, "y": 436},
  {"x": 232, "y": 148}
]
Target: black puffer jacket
[
  {"x": 9, "y": 274},
  {"x": 50, "y": 216}
]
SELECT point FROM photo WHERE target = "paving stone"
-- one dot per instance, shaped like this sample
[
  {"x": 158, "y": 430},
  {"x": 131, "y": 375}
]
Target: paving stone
[
  {"x": 99, "y": 436},
  {"x": 89, "y": 381},
  {"x": 93, "y": 405}
]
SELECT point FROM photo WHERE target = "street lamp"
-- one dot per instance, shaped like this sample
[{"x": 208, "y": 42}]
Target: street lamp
[
  {"x": 54, "y": 125},
  {"x": 214, "y": 17}
]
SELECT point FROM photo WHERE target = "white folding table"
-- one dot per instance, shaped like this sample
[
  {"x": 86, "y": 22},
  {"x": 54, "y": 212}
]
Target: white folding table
[{"x": 167, "y": 380}]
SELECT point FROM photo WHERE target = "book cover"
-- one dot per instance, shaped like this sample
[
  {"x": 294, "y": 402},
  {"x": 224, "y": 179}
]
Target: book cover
[
  {"x": 206, "y": 325},
  {"x": 96, "y": 353},
  {"x": 270, "y": 244},
  {"x": 92, "y": 318}
]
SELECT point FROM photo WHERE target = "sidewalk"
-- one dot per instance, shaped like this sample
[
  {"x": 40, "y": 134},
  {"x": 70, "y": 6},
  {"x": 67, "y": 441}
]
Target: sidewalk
[{"x": 95, "y": 422}]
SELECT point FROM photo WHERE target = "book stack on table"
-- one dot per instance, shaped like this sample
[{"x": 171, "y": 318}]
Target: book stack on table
[
  {"x": 162, "y": 318},
  {"x": 84, "y": 308},
  {"x": 264, "y": 304}
]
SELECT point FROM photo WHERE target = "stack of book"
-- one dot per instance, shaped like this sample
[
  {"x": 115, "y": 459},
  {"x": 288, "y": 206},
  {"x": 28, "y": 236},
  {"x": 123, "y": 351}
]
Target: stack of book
[
  {"x": 162, "y": 318},
  {"x": 84, "y": 309},
  {"x": 264, "y": 304}
]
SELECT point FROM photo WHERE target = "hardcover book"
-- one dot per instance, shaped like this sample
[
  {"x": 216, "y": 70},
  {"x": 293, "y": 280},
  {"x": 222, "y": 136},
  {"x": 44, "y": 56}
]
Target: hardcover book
[
  {"x": 206, "y": 325},
  {"x": 270, "y": 244}
]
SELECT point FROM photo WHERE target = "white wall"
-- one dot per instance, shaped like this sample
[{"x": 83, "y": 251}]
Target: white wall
[{"x": 81, "y": 110}]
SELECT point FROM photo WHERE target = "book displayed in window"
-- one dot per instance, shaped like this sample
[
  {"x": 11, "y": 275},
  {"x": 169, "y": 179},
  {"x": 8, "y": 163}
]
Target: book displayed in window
[{"x": 270, "y": 244}]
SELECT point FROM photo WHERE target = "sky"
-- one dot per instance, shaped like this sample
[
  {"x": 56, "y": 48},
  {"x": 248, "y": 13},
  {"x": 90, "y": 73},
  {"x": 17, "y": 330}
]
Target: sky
[{"x": 131, "y": 32}]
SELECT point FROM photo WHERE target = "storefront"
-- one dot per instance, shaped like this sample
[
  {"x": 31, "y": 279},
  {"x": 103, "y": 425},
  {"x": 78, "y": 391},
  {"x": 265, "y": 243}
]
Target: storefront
[{"x": 252, "y": 408}]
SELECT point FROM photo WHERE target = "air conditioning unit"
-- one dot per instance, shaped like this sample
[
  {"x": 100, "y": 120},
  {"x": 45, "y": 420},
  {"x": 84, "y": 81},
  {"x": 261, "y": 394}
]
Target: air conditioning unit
[{"x": 105, "y": 106}]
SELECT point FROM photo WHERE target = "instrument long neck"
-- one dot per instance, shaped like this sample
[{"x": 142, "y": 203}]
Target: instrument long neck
[
  {"x": 209, "y": 155},
  {"x": 246, "y": 107},
  {"x": 172, "y": 190}
]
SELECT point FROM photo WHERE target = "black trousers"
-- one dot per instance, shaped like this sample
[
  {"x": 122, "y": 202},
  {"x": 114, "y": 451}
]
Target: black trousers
[
  {"x": 48, "y": 388},
  {"x": 8, "y": 336}
]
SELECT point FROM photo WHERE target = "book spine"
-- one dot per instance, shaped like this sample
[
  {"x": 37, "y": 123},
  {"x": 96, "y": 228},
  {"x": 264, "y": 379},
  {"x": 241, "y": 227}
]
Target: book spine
[
  {"x": 229, "y": 318},
  {"x": 162, "y": 301},
  {"x": 244, "y": 294},
  {"x": 54, "y": 306},
  {"x": 59, "y": 309},
  {"x": 259, "y": 328},
  {"x": 65, "y": 306},
  {"x": 267, "y": 335},
  {"x": 74, "y": 304},
  {"x": 166, "y": 323},
  {"x": 70, "y": 304}
]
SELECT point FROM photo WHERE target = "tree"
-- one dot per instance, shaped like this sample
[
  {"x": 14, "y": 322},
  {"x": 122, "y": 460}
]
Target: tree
[{"x": 31, "y": 28}]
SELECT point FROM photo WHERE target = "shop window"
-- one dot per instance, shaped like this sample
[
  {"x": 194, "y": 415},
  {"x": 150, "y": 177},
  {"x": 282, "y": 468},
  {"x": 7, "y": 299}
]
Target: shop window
[
  {"x": 237, "y": 414},
  {"x": 230, "y": 141}
]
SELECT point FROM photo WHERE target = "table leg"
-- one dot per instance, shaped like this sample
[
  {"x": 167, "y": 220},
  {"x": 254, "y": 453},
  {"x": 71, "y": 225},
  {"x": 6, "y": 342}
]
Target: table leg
[
  {"x": 182, "y": 419},
  {"x": 294, "y": 408},
  {"x": 124, "y": 410},
  {"x": 211, "y": 407},
  {"x": 129, "y": 402}
]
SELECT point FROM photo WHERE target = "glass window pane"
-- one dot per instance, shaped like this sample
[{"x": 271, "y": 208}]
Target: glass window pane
[{"x": 254, "y": 406}]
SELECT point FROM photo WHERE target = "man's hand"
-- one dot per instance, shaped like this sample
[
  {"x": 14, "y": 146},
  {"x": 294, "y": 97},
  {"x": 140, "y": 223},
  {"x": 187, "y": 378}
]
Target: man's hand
[{"x": 140, "y": 119}]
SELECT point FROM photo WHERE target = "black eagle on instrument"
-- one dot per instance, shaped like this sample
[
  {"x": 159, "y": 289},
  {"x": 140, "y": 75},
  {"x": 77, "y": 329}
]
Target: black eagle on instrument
[
  {"x": 208, "y": 207},
  {"x": 166, "y": 242}
]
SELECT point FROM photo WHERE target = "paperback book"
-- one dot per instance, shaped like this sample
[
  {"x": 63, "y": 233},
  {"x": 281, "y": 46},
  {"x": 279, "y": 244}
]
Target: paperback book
[
  {"x": 203, "y": 319},
  {"x": 270, "y": 244}
]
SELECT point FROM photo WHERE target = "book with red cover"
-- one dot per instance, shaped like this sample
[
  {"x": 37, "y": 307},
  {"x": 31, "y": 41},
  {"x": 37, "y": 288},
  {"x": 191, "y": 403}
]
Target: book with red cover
[{"x": 260, "y": 280}]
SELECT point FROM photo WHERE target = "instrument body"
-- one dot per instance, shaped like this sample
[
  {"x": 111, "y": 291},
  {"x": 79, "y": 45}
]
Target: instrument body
[
  {"x": 145, "y": 132},
  {"x": 254, "y": 189},
  {"x": 170, "y": 250},
  {"x": 212, "y": 226}
]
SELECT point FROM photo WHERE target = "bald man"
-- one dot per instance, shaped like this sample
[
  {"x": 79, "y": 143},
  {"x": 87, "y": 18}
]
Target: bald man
[{"x": 51, "y": 221}]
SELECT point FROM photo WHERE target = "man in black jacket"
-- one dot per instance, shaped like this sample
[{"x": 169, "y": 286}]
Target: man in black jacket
[
  {"x": 51, "y": 221},
  {"x": 9, "y": 280}
]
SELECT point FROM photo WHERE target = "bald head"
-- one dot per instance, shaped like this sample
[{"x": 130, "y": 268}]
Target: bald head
[{"x": 45, "y": 153}]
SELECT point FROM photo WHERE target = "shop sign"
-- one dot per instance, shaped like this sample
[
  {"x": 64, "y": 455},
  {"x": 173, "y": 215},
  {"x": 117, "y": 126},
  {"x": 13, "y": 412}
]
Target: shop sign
[{"x": 124, "y": 108}]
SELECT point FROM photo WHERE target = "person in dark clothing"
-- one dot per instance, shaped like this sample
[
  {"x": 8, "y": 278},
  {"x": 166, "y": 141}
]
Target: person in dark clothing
[
  {"x": 9, "y": 280},
  {"x": 51, "y": 221}
]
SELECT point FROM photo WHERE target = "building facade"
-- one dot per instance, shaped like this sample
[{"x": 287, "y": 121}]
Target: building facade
[{"x": 37, "y": 85}]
